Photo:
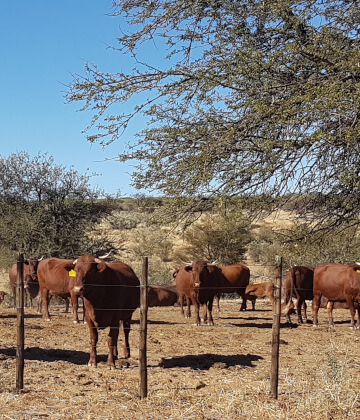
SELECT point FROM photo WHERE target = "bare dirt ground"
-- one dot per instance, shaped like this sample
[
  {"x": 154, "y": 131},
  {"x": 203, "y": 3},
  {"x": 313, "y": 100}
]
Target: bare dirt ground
[{"x": 218, "y": 372}]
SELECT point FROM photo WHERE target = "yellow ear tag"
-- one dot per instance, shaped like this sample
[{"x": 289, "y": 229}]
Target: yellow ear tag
[
  {"x": 72, "y": 273},
  {"x": 358, "y": 271}
]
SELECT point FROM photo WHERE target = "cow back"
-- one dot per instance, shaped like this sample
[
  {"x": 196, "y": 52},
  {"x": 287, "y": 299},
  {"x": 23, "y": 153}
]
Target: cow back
[
  {"x": 337, "y": 281},
  {"x": 234, "y": 278},
  {"x": 52, "y": 275}
]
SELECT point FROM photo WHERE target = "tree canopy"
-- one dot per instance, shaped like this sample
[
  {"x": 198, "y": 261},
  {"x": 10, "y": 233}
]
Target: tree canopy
[
  {"x": 240, "y": 97},
  {"x": 46, "y": 209}
]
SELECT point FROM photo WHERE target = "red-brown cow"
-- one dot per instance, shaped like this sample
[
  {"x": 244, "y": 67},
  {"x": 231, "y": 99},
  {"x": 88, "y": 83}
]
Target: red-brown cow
[
  {"x": 266, "y": 289},
  {"x": 162, "y": 296},
  {"x": 330, "y": 305},
  {"x": 31, "y": 284},
  {"x": 299, "y": 281},
  {"x": 235, "y": 278},
  {"x": 198, "y": 283},
  {"x": 55, "y": 280},
  {"x": 261, "y": 290},
  {"x": 111, "y": 293},
  {"x": 337, "y": 282},
  {"x": 2, "y": 296}
]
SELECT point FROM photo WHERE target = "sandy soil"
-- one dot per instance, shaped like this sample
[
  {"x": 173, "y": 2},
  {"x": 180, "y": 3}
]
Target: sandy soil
[{"x": 219, "y": 372}]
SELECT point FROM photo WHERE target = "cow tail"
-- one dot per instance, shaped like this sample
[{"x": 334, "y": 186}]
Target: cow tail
[{"x": 289, "y": 297}]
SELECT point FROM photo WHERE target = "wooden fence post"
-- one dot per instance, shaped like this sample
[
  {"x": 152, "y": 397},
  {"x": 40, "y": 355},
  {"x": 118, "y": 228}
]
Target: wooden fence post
[
  {"x": 143, "y": 330},
  {"x": 274, "y": 377},
  {"x": 20, "y": 324}
]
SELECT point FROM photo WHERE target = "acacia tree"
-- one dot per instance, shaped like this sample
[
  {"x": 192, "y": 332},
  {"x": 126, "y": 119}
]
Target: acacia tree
[
  {"x": 240, "y": 97},
  {"x": 46, "y": 209}
]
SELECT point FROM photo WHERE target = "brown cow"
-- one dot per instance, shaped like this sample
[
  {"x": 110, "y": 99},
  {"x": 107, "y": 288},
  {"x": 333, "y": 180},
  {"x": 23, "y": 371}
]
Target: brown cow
[
  {"x": 162, "y": 296},
  {"x": 235, "y": 278},
  {"x": 198, "y": 283},
  {"x": 111, "y": 294},
  {"x": 2, "y": 296},
  {"x": 299, "y": 281},
  {"x": 337, "y": 282},
  {"x": 261, "y": 290},
  {"x": 31, "y": 284},
  {"x": 266, "y": 289},
  {"x": 55, "y": 280}
]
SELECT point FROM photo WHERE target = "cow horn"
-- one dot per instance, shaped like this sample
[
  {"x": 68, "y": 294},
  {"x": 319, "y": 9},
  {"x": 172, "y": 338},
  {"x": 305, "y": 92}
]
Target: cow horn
[
  {"x": 215, "y": 262},
  {"x": 40, "y": 259},
  {"x": 105, "y": 256},
  {"x": 75, "y": 261},
  {"x": 98, "y": 260}
]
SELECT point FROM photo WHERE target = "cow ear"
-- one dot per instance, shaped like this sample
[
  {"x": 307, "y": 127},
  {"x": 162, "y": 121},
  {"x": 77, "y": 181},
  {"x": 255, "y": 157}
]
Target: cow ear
[
  {"x": 101, "y": 266},
  {"x": 70, "y": 266}
]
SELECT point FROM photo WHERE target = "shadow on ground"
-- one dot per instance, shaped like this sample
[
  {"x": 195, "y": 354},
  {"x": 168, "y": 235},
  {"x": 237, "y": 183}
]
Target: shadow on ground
[{"x": 206, "y": 361}]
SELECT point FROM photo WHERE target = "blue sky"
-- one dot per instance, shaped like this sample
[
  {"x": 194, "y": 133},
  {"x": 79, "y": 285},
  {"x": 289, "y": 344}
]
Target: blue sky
[{"x": 42, "y": 43}]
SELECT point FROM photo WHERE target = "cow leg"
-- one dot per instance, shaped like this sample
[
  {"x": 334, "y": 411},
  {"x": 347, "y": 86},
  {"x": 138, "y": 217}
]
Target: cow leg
[
  {"x": 67, "y": 304},
  {"x": 305, "y": 309},
  {"x": 218, "y": 302},
  {"x": 112, "y": 345},
  {"x": 350, "y": 302},
  {"x": 253, "y": 300},
  {"x": 329, "y": 308},
  {"x": 75, "y": 306},
  {"x": 181, "y": 303},
  {"x": 197, "y": 310},
  {"x": 298, "y": 310},
  {"x": 39, "y": 304},
  {"x": 188, "y": 309},
  {"x": 210, "y": 307},
  {"x": 94, "y": 336},
  {"x": 316, "y": 306},
  {"x": 205, "y": 316},
  {"x": 243, "y": 303},
  {"x": 126, "y": 327},
  {"x": 45, "y": 300}
]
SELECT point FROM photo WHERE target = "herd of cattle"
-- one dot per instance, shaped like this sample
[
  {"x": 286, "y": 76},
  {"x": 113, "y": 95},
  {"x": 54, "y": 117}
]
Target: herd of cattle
[{"x": 111, "y": 291}]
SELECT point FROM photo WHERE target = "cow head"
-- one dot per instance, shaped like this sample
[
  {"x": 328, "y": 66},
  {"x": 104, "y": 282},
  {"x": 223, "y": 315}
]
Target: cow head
[
  {"x": 199, "y": 271},
  {"x": 30, "y": 276},
  {"x": 86, "y": 271}
]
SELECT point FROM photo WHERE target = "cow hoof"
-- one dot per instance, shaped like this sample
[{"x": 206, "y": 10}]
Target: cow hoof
[
  {"x": 76, "y": 322},
  {"x": 315, "y": 325},
  {"x": 93, "y": 365},
  {"x": 47, "y": 319}
]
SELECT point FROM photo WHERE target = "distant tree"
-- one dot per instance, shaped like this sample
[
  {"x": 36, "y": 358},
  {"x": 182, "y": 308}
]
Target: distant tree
[
  {"x": 46, "y": 209},
  {"x": 219, "y": 237},
  {"x": 240, "y": 97},
  {"x": 313, "y": 248}
]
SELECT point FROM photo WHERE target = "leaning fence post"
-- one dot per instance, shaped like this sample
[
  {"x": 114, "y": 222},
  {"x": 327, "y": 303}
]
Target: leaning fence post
[
  {"x": 143, "y": 330},
  {"x": 274, "y": 378},
  {"x": 20, "y": 324}
]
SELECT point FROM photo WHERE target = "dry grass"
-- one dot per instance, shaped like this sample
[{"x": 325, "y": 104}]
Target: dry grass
[{"x": 219, "y": 372}]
